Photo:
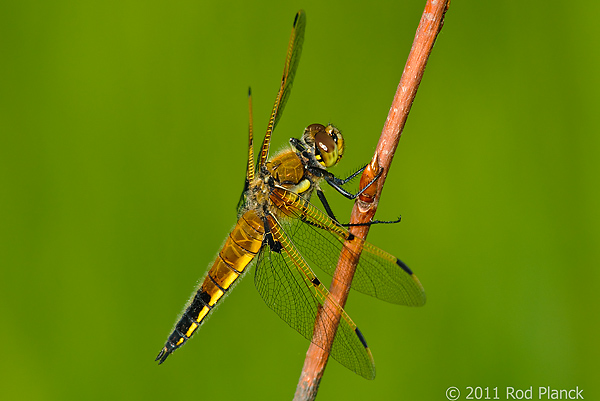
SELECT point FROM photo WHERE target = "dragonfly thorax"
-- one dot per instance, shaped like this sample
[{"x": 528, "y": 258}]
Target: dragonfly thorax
[{"x": 299, "y": 169}]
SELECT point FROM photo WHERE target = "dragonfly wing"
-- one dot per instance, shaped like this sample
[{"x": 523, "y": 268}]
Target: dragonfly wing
[
  {"x": 320, "y": 240},
  {"x": 289, "y": 71},
  {"x": 291, "y": 65},
  {"x": 291, "y": 289}
]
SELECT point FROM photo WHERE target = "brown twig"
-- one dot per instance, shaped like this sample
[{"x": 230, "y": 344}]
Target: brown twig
[{"x": 364, "y": 209}]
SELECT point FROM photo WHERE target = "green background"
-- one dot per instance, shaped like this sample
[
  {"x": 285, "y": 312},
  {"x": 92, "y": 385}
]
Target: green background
[{"x": 123, "y": 131}]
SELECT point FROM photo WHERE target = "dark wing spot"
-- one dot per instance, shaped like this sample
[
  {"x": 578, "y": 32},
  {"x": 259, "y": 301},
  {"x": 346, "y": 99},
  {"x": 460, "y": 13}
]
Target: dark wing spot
[
  {"x": 361, "y": 337},
  {"x": 316, "y": 282},
  {"x": 404, "y": 267}
]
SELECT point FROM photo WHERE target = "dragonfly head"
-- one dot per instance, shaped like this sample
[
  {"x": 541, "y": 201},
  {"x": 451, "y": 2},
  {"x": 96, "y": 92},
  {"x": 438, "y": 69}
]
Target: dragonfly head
[{"x": 326, "y": 143}]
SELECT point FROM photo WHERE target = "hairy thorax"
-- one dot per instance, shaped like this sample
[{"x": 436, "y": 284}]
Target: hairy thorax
[{"x": 285, "y": 170}]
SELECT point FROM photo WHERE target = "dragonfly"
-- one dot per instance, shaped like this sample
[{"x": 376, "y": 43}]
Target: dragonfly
[{"x": 283, "y": 234}]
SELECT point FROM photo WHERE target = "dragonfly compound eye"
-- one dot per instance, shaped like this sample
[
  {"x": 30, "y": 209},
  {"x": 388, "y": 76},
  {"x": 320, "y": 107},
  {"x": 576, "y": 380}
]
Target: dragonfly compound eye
[
  {"x": 329, "y": 145},
  {"x": 324, "y": 145}
]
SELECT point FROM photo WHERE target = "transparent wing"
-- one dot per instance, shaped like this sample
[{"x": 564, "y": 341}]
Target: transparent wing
[
  {"x": 291, "y": 65},
  {"x": 289, "y": 71},
  {"x": 320, "y": 241},
  {"x": 291, "y": 289}
]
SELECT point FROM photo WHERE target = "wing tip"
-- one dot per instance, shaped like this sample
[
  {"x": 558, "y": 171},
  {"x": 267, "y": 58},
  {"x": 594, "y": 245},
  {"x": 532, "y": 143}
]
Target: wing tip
[
  {"x": 369, "y": 374},
  {"x": 298, "y": 15},
  {"x": 421, "y": 298}
]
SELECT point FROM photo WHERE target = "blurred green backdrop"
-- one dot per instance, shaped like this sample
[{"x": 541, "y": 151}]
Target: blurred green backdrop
[{"x": 123, "y": 132}]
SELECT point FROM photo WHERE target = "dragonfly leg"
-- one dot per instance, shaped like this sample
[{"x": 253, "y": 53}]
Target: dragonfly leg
[
  {"x": 325, "y": 204},
  {"x": 329, "y": 212},
  {"x": 343, "y": 181},
  {"x": 370, "y": 223},
  {"x": 336, "y": 183}
]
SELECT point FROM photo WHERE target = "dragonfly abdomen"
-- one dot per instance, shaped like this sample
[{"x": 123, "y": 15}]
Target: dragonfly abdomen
[{"x": 239, "y": 249}]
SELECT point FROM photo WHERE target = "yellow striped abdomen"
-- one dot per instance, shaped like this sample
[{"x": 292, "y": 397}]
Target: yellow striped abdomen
[{"x": 241, "y": 246}]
